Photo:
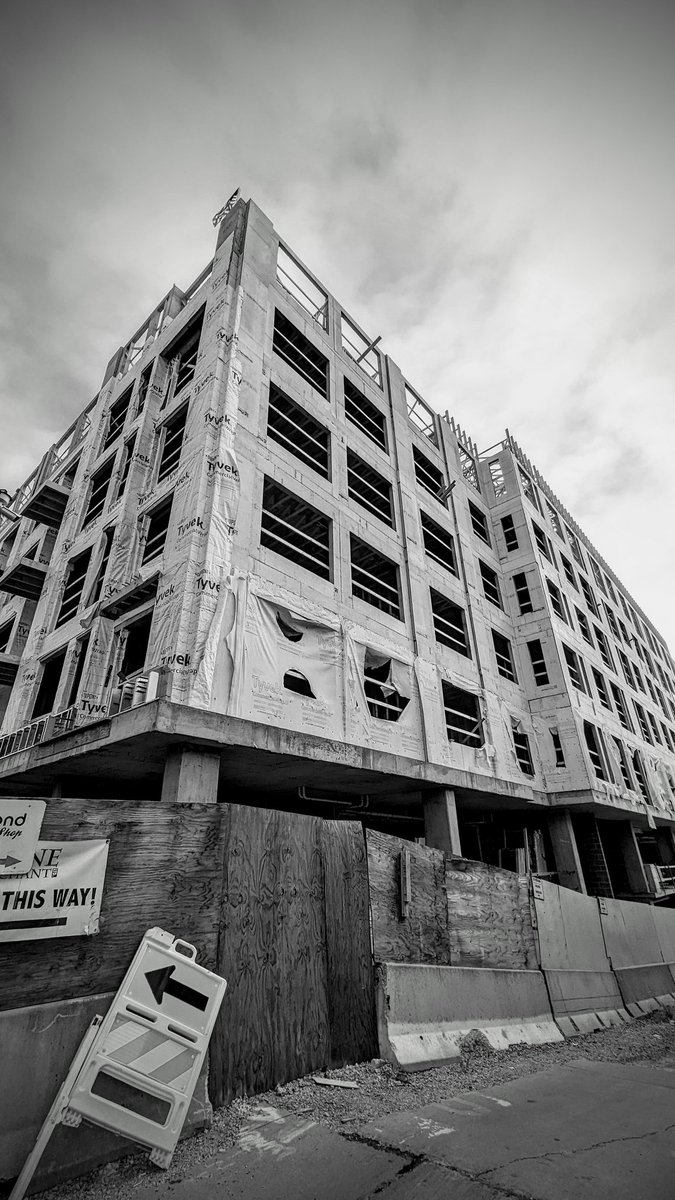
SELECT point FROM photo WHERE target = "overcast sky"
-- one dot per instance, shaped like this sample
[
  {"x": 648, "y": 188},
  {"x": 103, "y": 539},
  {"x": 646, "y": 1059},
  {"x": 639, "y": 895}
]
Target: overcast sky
[{"x": 488, "y": 184}]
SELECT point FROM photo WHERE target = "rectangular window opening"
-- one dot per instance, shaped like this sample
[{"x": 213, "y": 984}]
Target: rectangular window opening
[
  {"x": 539, "y": 669},
  {"x": 98, "y": 493},
  {"x": 504, "y": 656},
  {"x": 421, "y": 415},
  {"x": 462, "y": 716},
  {"x": 576, "y": 670},
  {"x": 361, "y": 350},
  {"x": 449, "y": 623},
  {"x": 76, "y": 572},
  {"x": 174, "y": 433},
  {"x": 49, "y": 684},
  {"x": 95, "y": 594},
  {"x": 523, "y": 593},
  {"x": 439, "y": 543},
  {"x": 427, "y": 474},
  {"x": 621, "y": 707},
  {"x": 594, "y": 751},
  {"x": 302, "y": 355},
  {"x": 601, "y": 688},
  {"x": 509, "y": 531},
  {"x": 295, "y": 280},
  {"x": 369, "y": 488},
  {"x": 296, "y": 530},
  {"x": 157, "y": 530},
  {"x": 468, "y": 466},
  {"x": 116, "y": 419},
  {"x": 80, "y": 655},
  {"x": 363, "y": 413},
  {"x": 479, "y": 523},
  {"x": 557, "y": 748},
  {"x": 182, "y": 355},
  {"x": 497, "y": 478},
  {"x": 521, "y": 744},
  {"x": 375, "y": 578},
  {"x": 294, "y": 429},
  {"x": 490, "y": 584}
]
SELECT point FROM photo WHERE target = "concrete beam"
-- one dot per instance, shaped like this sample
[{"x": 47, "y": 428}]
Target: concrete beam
[
  {"x": 190, "y": 776},
  {"x": 565, "y": 853},
  {"x": 441, "y": 830}
]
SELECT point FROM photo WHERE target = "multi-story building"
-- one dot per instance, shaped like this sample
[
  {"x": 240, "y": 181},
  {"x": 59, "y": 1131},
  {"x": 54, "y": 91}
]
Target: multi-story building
[{"x": 260, "y": 568}]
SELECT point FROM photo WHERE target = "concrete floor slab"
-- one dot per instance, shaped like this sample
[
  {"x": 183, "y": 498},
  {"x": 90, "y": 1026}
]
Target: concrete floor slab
[
  {"x": 589, "y": 1129},
  {"x": 279, "y": 1155}
]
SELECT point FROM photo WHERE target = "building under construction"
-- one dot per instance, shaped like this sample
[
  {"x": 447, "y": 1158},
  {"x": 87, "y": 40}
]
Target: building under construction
[{"x": 260, "y": 569}]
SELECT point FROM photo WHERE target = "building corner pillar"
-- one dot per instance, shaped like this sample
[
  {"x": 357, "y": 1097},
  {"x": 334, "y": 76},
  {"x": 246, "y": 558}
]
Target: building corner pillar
[
  {"x": 190, "y": 776},
  {"x": 565, "y": 852},
  {"x": 441, "y": 830}
]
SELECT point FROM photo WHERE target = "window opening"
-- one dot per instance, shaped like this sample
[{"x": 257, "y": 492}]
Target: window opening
[
  {"x": 654, "y": 726},
  {"x": 298, "y": 432},
  {"x": 641, "y": 776},
  {"x": 302, "y": 287},
  {"x": 576, "y": 670},
  {"x": 183, "y": 354},
  {"x": 509, "y": 531},
  {"x": 611, "y": 621},
  {"x": 557, "y": 747},
  {"x": 295, "y": 681},
  {"x": 384, "y": 702},
  {"x": 556, "y": 601},
  {"x": 157, "y": 529},
  {"x": 601, "y": 688},
  {"x": 375, "y": 578},
  {"x": 468, "y": 465},
  {"x": 80, "y": 656},
  {"x": 68, "y": 478},
  {"x": 135, "y": 646},
  {"x": 463, "y": 722},
  {"x": 72, "y": 593},
  {"x": 369, "y": 488},
  {"x": 174, "y": 433},
  {"x": 427, "y": 474},
  {"x": 575, "y": 547},
  {"x": 556, "y": 523},
  {"x": 295, "y": 529},
  {"x": 103, "y": 565},
  {"x": 479, "y": 523},
  {"x": 584, "y": 626},
  {"x": 49, "y": 684},
  {"x": 438, "y": 543},
  {"x": 5, "y": 635},
  {"x": 638, "y": 678},
  {"x": 361, "y": 350},
  {"x": 626, "y": 668},
  {"x": 504, "y": 656},
  {"x": 490, "y": 584},
  {"x": 126, "y": 466},
  {"x": 623, "y": 763},
  {"x": 362, "y": 413},
  {"x": 521, "y": 744},
  {"x": 528, "y": 487},
  {"x": 302, "y": 355},
  {"x": 594, "y": 751},
  {"x": 609, "y": 589},
  {"x": 421, "y": 415},
  {"x": 569, "y": 571},
  {"x": 99, "y": 490},
  {"x": 543, "y": 542},
  {"x": 116, "y": 419},
  {"x": 603, "y": 647},
  {"x": 621, "y": 707},
  {"x": 497, "y": 478},
  {"x": 539, "y": 669},
  {"x": 143, "y": 385},
  {"x": 523, "y": 593},
  {"x": 642, "y": 721},
  {"x": 599, "y": 577},
  {"x": 449, "y": 623}
]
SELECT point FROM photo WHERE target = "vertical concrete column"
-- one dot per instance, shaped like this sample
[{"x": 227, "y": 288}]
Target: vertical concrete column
[
  {"x": 441, "y": 830},
  {"x": 639, "y": 880},
  {"x": 565, "y": 852},
  {"x": 666, "y": 844},
  {"x": 190, "y": 776}
]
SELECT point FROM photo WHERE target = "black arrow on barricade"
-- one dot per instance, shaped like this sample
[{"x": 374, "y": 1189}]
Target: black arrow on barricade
[
  {"x": 161, "y": 984},
  {"x": 9, "y": 861}
]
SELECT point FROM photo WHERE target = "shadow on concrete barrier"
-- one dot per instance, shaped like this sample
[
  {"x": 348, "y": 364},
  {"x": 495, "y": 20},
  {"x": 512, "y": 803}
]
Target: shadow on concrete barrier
[
  {"x": 38, "y": 1045},
  {"x": 583, "y": 989},
  {"x": 640, "y": 944},
  {"x": 424, "y": 1011}
]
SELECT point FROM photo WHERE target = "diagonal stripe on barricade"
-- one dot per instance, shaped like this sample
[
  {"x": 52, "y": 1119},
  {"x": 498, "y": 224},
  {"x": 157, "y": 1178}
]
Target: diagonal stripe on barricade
[
  {"x": 170, "y": 1071},
  {"x": 135, "y": 1048}
]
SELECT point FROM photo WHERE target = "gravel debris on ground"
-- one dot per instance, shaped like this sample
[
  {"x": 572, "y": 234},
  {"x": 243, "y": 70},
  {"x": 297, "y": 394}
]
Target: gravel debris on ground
[{"x": 381, "y": 1089}]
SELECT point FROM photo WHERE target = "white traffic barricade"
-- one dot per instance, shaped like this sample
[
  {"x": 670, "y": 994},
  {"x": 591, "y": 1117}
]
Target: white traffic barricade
[{"x": 136, "y": 1073}]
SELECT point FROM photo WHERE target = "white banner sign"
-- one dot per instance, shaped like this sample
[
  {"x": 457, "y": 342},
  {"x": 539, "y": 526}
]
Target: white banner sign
[{"x": 59, "y": 897}]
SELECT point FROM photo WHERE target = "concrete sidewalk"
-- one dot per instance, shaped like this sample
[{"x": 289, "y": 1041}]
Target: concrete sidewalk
[{"x": 589, "y": 1130}]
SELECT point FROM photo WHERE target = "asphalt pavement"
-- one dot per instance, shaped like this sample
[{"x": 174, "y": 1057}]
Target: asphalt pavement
[{"x": 583, "y": 1131}]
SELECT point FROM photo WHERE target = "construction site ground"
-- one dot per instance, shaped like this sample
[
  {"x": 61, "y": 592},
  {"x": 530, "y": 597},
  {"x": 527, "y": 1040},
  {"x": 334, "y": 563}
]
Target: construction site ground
[{"x": 590, "y": 1117}]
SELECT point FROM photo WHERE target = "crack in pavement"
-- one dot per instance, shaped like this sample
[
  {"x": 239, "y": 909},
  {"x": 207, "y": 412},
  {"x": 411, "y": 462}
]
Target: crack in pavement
[{"x": 637, "y": 1137}]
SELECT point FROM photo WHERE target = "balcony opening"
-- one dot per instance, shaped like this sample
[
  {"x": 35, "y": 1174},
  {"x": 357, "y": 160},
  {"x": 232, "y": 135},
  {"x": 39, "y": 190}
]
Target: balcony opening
[
  {"x": 302, "y": 355},
  {"x": 49, "y": 684},
  {"x": 294, "y": 429},
  {"x": 375, "y": 578},
  {"x": 362, "y": 413},
  {"x": 296, "y": 530},
  {"x": 300, "y": 285},
  {"x": 369, "y": 488},
  {"x": 449, "y": 623},
  {"x": 438, "y": 543},
  {"x": 385, "y": 702},
  {"x": 463, "y": 722}
]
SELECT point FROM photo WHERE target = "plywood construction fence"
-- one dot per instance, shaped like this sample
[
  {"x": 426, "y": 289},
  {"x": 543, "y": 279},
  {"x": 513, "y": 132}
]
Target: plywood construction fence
[{"x": 461, "y": 913}]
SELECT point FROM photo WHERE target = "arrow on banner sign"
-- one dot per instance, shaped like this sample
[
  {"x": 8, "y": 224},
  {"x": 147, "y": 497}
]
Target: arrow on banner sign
[
  {"x": 8, "y": 861},
  {"x": 161, "y": 984}
]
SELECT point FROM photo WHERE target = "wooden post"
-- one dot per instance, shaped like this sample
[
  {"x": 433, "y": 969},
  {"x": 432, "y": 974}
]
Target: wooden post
[
  {"x": 564, "y": 843},
  {"x": 441, "y": 830},
  {"x": 190, "y": 776}
]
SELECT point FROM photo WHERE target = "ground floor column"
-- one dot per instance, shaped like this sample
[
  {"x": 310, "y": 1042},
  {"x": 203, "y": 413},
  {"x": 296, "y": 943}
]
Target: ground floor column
[
  {"x": 565, "y": 852},
  {"x": 441, "y": 830},
  {"x": 190, "y": 776}
]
